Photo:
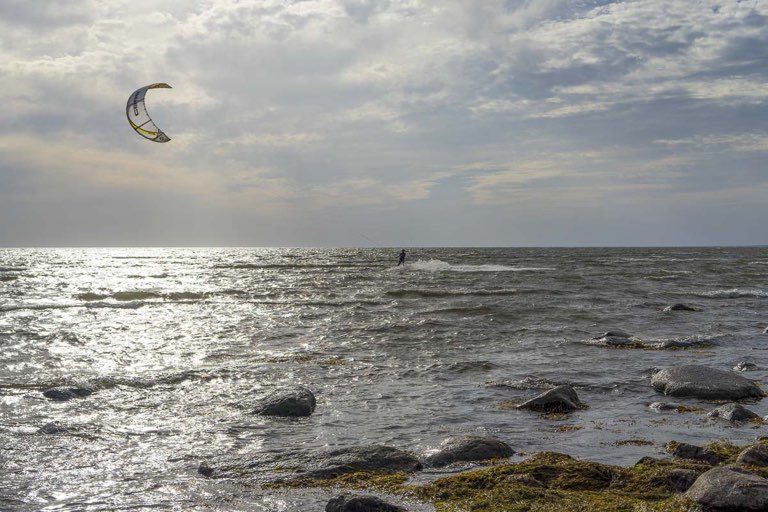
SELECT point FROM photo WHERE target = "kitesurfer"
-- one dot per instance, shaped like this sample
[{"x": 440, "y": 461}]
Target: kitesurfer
[{"x": 402, "y": 258}]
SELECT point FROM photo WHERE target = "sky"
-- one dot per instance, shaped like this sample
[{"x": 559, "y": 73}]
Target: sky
[{"x": 385, "y": 123}]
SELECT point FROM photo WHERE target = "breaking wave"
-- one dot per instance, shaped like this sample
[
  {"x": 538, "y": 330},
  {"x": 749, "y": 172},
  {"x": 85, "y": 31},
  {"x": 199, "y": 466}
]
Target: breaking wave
[
  {"x": 442, "y": 266},
  {"x": 734, "y": 293}
]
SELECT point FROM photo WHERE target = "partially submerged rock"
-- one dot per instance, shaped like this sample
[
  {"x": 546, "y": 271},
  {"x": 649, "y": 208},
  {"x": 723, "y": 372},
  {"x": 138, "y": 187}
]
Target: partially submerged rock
[
  {"x": 288, "y": 403},
  {"x": 755, "y": 455},
  {"x": 734, "y": 412},
  {"x": 373, "y": 458},
  {"x": 53, "y": 428},
  {"x": 64, "y": 394},
  {"x": 361, "y": 503},
  {"x": 467, "y": 449},
  {"x": 662, "y": 406},
  {"x": 615, "y": 338},
  {"x": 744, "y": 366},
  {"x": 678, "y": 307},
  {"x": 730, "y": 489},
  {"x": 693, "y": 452},
  {"x": 705, "y": 383},
  {"x": 205, "y": 470},
  {"x": 560, "y": 399}
]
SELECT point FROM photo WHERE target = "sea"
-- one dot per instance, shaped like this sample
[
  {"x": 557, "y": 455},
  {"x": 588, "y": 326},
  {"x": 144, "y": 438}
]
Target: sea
[{"x": 178, "y": 344}]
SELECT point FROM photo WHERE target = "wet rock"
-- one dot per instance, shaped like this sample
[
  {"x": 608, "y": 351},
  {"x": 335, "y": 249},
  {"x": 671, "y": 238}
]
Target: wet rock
[
  {"x": 765, "y": 331},
  {"x": 681, "y": 479},
  {"x": 467, "y": 449},
  {"x": 560, "y": 399},
  {"x": 662, "y": 406},
  {"x": 756, "y": 455},
  {"x": 205, "y": 470},
  {"x": 728, "y": 489},
  {"x": 697, "y": 453},
  {"x": 678, "y": 307},
  {"x": 373, "y": 458},
  {"x": 288, "y": 403},
  {"x": 364, "y": 503},
  {"x": 745, "y": 367},
  {"x": 705, "y": 383},
  {"x": 733, "y": 412},
  {"x": 615, "y": 338},
  {"x": 64, "y": 394},
  {"x": 53, "y": 428}
]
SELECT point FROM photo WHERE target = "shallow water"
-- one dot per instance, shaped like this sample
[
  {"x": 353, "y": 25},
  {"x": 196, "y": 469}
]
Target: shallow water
[{"x": 178, "y": 344}]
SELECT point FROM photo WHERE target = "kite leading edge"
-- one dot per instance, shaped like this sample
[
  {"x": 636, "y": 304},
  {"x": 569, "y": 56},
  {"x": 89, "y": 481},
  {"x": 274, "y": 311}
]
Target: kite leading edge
[{"x": 136, "y": 111}]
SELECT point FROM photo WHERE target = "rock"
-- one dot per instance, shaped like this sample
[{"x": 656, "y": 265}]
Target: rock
[
  {"x": 765, "y": 331},
  {"x": 613, "y": 334},
  {"x": 733, "y": 412},
  {"x": 205, "y": 470},
  {"x": 374, "y": 458},
  {"x": 64, "y": 394},
  {"x": 681, "y": 479},
  {"x": 745, "y": 367},
  {"x": 755, "y": 455},
  {"x": 469, "y": 448},
  {"x": 288, "y": 403},
  {"x": 560, "y": 399},
  {"x": 730, "y": 489},
  {"x": 705, "y": 383},
  {"x": 697, "y": 453},
  {"x": 53, "y": 428},
  {"x": 662, "y": 406},
  {"x": 360, "y": 504},
  {"x": 678, "y": 307}
]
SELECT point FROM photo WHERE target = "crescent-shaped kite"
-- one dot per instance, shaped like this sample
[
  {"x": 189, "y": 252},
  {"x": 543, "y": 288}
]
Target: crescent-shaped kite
[{"x": 136, "y": 111}]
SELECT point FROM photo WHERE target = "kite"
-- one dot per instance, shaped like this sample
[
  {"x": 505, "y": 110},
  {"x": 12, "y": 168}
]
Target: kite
[{"x": 136, "y": 111}]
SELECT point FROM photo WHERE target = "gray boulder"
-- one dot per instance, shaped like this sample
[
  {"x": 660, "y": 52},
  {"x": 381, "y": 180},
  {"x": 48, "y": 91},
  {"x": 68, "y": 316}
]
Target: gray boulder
[
  {"x": 467, "y": 449},
  {"x": 560, "y": 399},
  {"x": 678, "y": 307},
  {"x": 705, "y": 383},
  {"x": 733, "y": 412},
  {"x": 53, "y": 428},
  {"x": 288, "y": 403},
  {"x": 697, "y": 453},
  {"x": 755, "y": 455},
  {"x": 64, "y": 394},
  {"x": 728, "y": 489},
  {"x": 374, "y": 458},
  {"x": 363, "y": 503}
]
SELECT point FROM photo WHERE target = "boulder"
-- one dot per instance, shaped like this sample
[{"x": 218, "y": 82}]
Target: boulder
[
  {"x": 288, "y": 403},
  {"x": 560, "y": 399},
  {"x": 362, "y": 503},
  {"x": 205, "y": 470},
  {"x": 733, "y": 412},
  {"x": 467, "y": 449},
  {"x": 613, "y": 339},
  {"x": 755, "y": 455},
  {"x": 662, "y": 406},
  {"x": 705, "y": 383},
  {"x": 678, "y": 307},
  {"x": 373, "y": 458},
  {"x": 728, "y": 489},
  {"x": 697, "y": 453},
  {"x": 64, "y": 394}
]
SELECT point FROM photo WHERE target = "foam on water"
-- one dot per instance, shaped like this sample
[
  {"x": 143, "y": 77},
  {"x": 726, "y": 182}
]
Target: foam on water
[{"x": 442, "y": 266}]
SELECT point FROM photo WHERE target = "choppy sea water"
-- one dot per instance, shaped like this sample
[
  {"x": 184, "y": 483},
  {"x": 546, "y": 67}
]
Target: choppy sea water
[{"x": 178, "y": 344}]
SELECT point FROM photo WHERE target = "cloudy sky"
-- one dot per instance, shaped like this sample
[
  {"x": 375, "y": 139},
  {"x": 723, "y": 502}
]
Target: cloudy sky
[{"x": 385, "y": 122}]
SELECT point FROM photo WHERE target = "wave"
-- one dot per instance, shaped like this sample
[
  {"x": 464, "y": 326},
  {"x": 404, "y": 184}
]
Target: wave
[
  {"x": 133, "y": 296},
  {"x": 425, "y": 293},
  {"x": 467, "y": 311},
  {"x": 442, "y": 266},
  {"x": 734, "y": 293}
]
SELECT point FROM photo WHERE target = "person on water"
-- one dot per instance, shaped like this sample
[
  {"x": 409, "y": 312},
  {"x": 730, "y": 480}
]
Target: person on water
[{"x": 402, "y": 258}]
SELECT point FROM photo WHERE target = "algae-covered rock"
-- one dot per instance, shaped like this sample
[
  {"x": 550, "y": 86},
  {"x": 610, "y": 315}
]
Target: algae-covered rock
[
  {"x": 728, "y": 489},
  {"x": 756, "y": 455},
  {"x": 374, "y": 458},
  {"x": 681, "y": 479},
  {"x": 705, "y": 383},
  {"x": 560, "y": 399},
  {"x": 288, "y": 403},
  {"x": 692, "y": 452},
  {"x": 467, "y": 449},
  {"x": 733, "y": 412},
  {"x": 362, "y": 503}
]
